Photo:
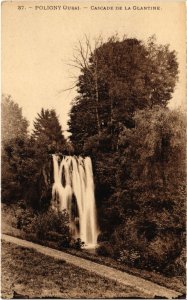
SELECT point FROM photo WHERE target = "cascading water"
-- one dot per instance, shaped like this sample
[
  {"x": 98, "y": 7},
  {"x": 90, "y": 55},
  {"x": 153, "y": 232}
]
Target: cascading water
[{"x": 73, "y": 190}]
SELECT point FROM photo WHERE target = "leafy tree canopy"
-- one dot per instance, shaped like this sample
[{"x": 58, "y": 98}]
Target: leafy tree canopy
[
  {"x": 120, "y": 77},
  {"x": 14, "y": 125},
  {"x": 48, "y": 132}
]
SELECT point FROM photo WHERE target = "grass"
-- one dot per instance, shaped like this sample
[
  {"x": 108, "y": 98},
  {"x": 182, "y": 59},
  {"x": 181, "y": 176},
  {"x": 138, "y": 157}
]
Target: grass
[
  {"x": 29, "y": 274},
  {"x": 176, "y": 283}
]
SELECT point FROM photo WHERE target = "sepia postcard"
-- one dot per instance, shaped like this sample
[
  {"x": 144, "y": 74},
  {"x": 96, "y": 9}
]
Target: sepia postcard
[{"x": 93, "y": 181}]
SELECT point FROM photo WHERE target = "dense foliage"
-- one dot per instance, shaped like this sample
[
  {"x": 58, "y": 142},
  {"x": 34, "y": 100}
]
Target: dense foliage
[
  {"x": 119, "y": 78},
  {"x": 49, "y": 226},
  {"x": 47, "y": 132},
  {"x": 151, "y": 194},
  {"x": 137, "y": 147},
  {"x": 27, "y": 172},
  {"x": 14, "y": 124}
]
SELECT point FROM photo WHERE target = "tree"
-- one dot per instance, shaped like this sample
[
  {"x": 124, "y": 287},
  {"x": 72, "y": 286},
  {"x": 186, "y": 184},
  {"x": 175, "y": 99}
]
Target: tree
[
  {"x": 84, "y": 55},
  {"x": 117, "y": 78},
  {"x": 131, "y": 76},
  {"x": 137, "y": 150},
  {"x": 47, "y": 132},
  {"x": 14, "y": 125},
  {"x": 158, "y": 157},
  {"x": 151, "y": 186},
  {"x": 31, "y": 173},
  {"x": 28, "y": 172}
]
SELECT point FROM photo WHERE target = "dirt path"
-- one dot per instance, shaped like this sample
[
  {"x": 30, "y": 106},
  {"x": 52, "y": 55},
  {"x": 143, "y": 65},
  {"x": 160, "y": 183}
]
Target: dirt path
[{"x": 148, "y": 287}]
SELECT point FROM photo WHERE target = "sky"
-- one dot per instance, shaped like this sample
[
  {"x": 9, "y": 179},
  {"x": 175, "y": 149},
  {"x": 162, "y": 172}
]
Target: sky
[{"x": 38, "y": 44}]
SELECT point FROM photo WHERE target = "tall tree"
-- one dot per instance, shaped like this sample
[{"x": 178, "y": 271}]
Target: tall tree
[
  {"x": 47, "y": 132},
  {"x": 14, "y": 125},
  {"x": 138, "y": 152},
  {"x": 85, "y": 53},
  {"x": 28, "y": 161},
  {"x": 130, "y": 75}
]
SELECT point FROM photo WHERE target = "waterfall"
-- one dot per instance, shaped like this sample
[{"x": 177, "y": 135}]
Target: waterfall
[{"x": 73, "y": 190}]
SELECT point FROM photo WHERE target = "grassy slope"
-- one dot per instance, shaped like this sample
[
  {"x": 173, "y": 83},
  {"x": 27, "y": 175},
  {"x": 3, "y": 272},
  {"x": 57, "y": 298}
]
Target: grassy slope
[
  {"x": 176, "y": 283},
  {"x": 26, "y": 272}
]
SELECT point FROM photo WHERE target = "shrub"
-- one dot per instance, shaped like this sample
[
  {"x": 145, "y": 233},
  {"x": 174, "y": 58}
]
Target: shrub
[
  {"x": 77, "y": 244},
  {"x": 103, "y": 236},
  {"x": 25, "y": 219},
  {"x": 130, "y": 257},
  {"x": 162, "y": 251},
  {"x": 177, "y": 268},
  {"x": 105, "y": 249},
  {"x": 47, "y": 226},
  {"x": 147, "y": 246}
]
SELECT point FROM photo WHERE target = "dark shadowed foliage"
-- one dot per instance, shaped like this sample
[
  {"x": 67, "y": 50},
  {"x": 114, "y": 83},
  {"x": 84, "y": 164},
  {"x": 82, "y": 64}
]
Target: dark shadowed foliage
[{"x": 137, "y": 148}]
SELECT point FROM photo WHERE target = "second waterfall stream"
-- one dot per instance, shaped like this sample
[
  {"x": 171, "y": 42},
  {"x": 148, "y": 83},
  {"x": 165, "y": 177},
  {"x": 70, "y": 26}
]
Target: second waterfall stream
[{"x": 73, "y": 191}]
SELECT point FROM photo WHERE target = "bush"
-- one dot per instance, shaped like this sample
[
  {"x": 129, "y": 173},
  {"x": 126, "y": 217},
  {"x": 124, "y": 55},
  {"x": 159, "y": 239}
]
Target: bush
[
  {"x": 10, "y": 188},
  {"x": 25, "y": 219},
  {"x": 130, "y": 257},
  {"x": 163, "y": 250},
  {"x": 47, "y": 226},
  {"x": 103, "y": 237},
  {"x": 147, "y": 246},
  {"x": 105, "y": 249},
  {"x": 77, "y": 244},
  {"x": 178, "y": 266}
]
